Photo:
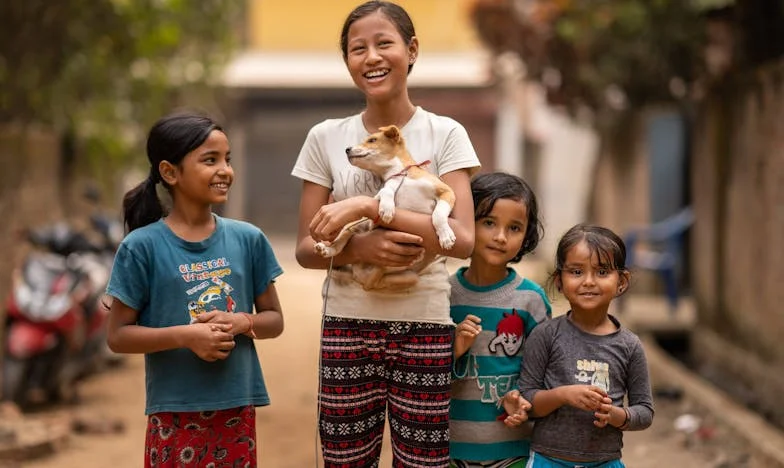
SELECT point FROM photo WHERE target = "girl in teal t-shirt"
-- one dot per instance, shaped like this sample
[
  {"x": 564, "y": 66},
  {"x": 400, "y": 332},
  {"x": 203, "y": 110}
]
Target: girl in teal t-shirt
[{"x": 185, "y": 284}]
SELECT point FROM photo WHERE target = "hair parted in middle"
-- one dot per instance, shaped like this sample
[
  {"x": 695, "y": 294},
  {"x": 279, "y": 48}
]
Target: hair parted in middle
[{"x": 394, "y": 12}]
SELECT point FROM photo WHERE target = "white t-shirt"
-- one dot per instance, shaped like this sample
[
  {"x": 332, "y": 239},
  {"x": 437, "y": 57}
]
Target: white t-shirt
[{"x": 323, "y": 161}]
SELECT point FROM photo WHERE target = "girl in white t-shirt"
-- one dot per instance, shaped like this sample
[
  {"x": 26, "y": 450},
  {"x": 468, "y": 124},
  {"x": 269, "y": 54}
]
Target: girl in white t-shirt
[{"x": 383, "y": 349}]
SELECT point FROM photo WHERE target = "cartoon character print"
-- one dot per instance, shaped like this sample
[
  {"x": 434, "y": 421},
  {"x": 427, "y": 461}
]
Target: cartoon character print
[
  {"x": 509, "y": 334},
  {"x": 592, "y": 372},
  {"x": 215, "y": 297}
]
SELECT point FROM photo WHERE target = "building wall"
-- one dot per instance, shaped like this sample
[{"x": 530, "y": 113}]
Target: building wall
[
  {"x": 441, "y": 25},
  {"x": 737, "y": 259},
  {"x": 738, "y": 188}
]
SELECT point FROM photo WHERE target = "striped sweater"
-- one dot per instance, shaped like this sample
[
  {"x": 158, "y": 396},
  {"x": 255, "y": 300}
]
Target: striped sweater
[{"x": 509, "y": 309}]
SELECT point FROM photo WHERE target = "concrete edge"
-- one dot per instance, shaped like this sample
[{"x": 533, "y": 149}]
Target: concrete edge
[{"x": 765, "y": 442}]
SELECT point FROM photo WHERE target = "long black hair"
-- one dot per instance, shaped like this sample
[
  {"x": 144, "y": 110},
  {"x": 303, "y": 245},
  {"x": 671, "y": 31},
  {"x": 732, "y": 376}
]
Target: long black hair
[
  {"x": 486, "y": 189},
  {"x": 170, "y": 139}
]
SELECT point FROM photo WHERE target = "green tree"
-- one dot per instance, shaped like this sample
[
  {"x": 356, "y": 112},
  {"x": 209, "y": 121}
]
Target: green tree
[
  {"x": 100, "y": 69},
  {"x": 619, "y": 54}
]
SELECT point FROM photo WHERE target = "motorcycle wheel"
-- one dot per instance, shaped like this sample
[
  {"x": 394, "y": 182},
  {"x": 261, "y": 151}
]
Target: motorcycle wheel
[{"x": 15, "y": 373}]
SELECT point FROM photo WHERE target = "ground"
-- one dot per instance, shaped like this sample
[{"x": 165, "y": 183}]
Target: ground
[{"x": 287, "y": 429}]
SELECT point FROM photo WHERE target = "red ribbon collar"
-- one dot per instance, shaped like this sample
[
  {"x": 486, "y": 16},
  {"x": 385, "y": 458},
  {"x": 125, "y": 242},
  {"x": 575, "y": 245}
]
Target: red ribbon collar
[{"x": 404, "y": 172}]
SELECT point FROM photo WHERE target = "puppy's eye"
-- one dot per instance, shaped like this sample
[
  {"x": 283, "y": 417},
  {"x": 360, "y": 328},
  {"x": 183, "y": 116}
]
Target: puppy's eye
[{"x": 372, "y": 140}]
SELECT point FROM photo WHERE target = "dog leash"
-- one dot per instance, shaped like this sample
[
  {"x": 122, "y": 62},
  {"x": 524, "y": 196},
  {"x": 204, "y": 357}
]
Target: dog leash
[
  {"x": 404, "y": 173},
  {"x": 320, "y": 362},
  {"x": 405, "y": 170}
]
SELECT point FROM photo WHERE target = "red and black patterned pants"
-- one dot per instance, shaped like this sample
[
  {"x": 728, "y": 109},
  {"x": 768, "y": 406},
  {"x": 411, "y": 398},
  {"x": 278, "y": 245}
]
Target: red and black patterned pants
[
  {"x": 225, "y": 438},
  {"x": 369, "y": 366}
]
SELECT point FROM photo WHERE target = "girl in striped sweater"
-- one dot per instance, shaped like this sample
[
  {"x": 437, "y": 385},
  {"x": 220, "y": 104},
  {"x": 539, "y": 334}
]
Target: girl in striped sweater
[{"x": 495, "y": 309}]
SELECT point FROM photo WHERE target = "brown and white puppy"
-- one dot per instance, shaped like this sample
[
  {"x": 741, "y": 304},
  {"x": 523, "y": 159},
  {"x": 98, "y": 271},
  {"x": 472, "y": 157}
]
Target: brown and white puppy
[{"x": 406, "y": 185}]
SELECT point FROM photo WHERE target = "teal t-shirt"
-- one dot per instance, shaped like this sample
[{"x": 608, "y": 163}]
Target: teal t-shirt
[{"x": 168, "y": 281}]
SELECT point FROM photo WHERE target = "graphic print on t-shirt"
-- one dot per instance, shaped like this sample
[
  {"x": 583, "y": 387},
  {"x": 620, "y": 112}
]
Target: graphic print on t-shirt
[
  {"x": 509, "y": 333},
  {"x": 210, "y": 292},
  {"x": 593, "y": 372}
]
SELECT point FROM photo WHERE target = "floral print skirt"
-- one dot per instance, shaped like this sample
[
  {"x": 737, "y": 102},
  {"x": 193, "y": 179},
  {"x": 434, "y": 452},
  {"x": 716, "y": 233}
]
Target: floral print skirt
[{"x": 210, "y": 439}]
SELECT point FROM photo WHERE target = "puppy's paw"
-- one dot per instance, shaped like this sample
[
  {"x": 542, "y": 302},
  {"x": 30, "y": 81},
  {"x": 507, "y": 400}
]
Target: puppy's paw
[
  {"x": 324, "y": 250},
  {"x": 386, "y": 210},
  {"x": 446, "y": 237}
]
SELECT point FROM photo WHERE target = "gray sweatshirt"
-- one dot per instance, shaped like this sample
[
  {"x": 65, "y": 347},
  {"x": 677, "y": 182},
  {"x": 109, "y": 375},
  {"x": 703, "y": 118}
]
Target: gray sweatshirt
[{"x": 558, "y": 353}]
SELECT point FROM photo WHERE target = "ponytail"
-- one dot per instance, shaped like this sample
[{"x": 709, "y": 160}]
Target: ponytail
[
  {"x": 170, "y": 139},
  {"x": 141, "y": 205}
]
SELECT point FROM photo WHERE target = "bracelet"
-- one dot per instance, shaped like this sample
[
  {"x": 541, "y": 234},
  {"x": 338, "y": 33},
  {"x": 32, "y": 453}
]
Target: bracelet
[
  {"x": 251, "y": 332},
  {"x": 625, "y": 421}
]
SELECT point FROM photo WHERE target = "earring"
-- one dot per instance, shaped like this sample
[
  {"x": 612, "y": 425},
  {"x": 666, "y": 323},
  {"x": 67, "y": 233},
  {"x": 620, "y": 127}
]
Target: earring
[{"x": 411, "y": 59}]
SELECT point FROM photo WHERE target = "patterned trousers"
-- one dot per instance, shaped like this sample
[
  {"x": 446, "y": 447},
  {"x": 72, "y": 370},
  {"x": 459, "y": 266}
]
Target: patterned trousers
[
  {"x": 209, "y": 439},
  {"x": 369, "y": 367}
]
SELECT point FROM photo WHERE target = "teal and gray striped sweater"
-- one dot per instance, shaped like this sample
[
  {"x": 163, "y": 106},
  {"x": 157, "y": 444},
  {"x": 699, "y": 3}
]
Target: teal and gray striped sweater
[{"x": 509, "y": 310}]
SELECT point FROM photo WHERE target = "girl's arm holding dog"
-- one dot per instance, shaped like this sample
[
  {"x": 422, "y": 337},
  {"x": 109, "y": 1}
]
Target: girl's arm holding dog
[
  {"x": 328, "y": 220},
  {"x": 379, "y": 247}
]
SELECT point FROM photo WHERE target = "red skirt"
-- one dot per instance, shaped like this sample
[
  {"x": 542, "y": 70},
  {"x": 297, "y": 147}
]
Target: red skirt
[{"x": 225, "y": 438}]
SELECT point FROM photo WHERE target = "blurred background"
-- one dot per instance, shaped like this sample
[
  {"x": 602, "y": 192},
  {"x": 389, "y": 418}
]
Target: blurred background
[{"x": 661, "y": 119}]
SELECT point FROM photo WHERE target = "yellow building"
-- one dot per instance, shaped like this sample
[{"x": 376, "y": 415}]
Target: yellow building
[
  {"x": 291, "y": 75},
  {"x": 314, "y": 25}
]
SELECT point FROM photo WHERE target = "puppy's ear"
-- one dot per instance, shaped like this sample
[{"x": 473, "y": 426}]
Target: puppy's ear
[{"x": 392, "y": 132}]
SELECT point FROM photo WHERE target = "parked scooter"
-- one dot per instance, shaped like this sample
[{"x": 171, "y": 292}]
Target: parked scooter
[{"x": 56, "y": 320}]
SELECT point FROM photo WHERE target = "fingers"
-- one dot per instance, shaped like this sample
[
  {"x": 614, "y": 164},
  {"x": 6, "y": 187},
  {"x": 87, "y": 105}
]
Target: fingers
[
  {"x": 205, "y": 317},
  {"x": 602, "y": 419},
  {"x": 220, "y": 327},
  {"x": 514, "y": 420},
  {"x": 469, "y": 327},
  {"x": 405, "y": 239},
  {"x": 525, "y": 404}
]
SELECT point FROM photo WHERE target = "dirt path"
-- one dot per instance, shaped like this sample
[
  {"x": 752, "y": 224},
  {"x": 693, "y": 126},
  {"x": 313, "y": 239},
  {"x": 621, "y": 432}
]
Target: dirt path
[{"x": 287, "y": 428}]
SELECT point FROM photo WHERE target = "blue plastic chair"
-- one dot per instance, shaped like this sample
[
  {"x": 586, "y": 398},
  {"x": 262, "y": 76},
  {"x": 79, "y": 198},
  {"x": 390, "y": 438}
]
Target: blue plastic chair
[{"x": 662, "y": 253}]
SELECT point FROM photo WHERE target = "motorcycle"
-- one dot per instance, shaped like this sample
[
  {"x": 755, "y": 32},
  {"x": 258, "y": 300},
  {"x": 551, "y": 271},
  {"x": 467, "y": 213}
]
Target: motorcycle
[{"x": 56, "y": 317}]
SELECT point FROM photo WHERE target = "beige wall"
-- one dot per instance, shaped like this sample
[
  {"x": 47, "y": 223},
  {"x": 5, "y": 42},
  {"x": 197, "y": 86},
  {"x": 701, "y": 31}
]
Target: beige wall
[
  {"x": 442, "y": 25},
  {"x": 738, "y": 191}
]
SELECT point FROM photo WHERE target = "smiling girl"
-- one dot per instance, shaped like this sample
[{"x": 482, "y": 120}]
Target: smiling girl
[
  {"x": 585, "y": 375},
  {"x": 184, "y": 287},
  {"x": 383, "y": 351}
]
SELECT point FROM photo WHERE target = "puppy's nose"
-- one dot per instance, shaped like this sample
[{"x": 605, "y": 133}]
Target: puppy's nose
[{"x": 348, "y": 150}]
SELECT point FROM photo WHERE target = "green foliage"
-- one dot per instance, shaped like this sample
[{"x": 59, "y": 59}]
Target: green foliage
[
  {"x": 640, "y": 48},
  {"x": 105, "y": 69},
  {"x": 601, "y": 53}
]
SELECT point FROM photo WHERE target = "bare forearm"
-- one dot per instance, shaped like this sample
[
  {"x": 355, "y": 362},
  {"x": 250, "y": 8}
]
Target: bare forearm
[
  {"x": 422, "y": 225},
  {"x": 545, "y": 402},
  {"x": 135, "y": 339},
  {"x": 267, "y": 324},
  {"x": 307, "y": 257}
]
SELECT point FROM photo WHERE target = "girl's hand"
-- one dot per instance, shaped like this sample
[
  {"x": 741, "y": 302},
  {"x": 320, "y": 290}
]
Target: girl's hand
[
  {"x": 238, "y": 324},
  {"x": 210, "y": 341},
  {"x": 584, "y": 397},
  {"x": 516, "y": 408},
  {"x": 387, "y": 248},
  {"x": 603, "y": 413},
  {"x": 466, "y": 333},
  {"x": 330, "y": 218}
]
